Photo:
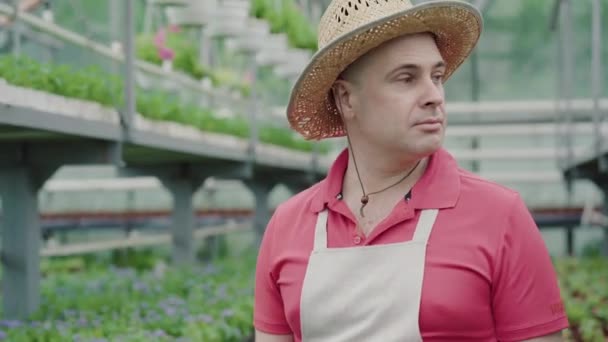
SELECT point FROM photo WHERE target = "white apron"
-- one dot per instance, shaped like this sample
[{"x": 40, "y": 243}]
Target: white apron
[{"x": 366, "y": 293}]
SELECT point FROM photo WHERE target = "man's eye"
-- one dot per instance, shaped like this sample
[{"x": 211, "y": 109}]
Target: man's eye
[{"x": 438, "y": 77}]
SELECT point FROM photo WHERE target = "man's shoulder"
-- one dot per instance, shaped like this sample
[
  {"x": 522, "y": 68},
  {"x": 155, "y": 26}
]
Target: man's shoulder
[{"x": 485, "y": 190}]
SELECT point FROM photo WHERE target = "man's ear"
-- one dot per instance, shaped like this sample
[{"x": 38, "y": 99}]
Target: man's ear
[{"x": 343, "y": 96}]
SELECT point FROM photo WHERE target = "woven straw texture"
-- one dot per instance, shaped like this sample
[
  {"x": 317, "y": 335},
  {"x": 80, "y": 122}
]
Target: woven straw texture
[{"x": 350, "y": 29}]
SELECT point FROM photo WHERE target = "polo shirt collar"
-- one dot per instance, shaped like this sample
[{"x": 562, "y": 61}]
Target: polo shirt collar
[{"x": 438, "y": 188}]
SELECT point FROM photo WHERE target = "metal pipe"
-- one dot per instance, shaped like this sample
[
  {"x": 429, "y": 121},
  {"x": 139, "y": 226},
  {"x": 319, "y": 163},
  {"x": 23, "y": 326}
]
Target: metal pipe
[
  {"x": 596, "y": 77},
  {"x": 130, "y": 107},
  {"x": 568, "y": 79},
  {"x": 16, "y": 28},
  {"x": 555, "y": 13},
  {"x": 559, "y": 92},
  {"x": 253, "y": 124}
]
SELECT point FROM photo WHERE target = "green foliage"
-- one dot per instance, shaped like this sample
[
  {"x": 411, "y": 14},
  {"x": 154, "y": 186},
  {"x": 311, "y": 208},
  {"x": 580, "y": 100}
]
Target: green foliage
[
  {"x": 94, "y": 84},
  {"x": 187, "y": 61},
  {"x": 138, "y": 259},
  {"x": 208, "y": 302},
  {"x": 261, "y": 9},
  {"x": 87, "y": 84},
  {"x": 146, "y": 50},
  {"x": 519, "y": 52},
  {"x": 282, "y": 136},
  {"x": 287, "y": 18},
  {"x": 584, "y": 286},
  {"x": 186, "y": 55},
  {"x": 300, "y": 32},
  {"x": 213, "y": 247}
]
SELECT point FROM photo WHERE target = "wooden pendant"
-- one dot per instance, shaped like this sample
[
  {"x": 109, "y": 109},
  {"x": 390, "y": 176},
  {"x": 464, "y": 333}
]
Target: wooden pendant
[{"x": 364, "y": 201}]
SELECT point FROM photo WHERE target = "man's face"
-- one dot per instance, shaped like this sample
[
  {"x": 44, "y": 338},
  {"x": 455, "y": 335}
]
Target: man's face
[{"x": 396, "y": 97}]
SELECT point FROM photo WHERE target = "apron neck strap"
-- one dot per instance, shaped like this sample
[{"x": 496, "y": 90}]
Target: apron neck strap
[
  {"x": 321, "y": 231},
  {"x": 425, "y": 225}
]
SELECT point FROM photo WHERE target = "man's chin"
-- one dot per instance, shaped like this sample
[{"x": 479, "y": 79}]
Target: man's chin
[{"x": 426, "y": 148}]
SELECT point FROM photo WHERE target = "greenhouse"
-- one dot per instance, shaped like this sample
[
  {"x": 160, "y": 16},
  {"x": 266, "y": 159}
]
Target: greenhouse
[{"x": 145, "y": 147}]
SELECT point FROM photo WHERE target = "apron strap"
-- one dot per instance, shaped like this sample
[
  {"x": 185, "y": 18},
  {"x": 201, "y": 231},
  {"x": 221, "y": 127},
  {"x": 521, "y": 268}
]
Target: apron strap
[
  {"x": 321, "y": 231},
  {"x": 425, "y": 225}
]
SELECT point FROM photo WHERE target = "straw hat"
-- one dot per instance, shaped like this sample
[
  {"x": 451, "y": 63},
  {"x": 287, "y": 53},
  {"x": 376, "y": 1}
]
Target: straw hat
[{"x": 351, "y": 28}]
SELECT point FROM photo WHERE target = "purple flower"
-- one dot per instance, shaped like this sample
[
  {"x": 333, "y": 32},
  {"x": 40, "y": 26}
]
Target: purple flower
[
  {"x": 11, "y": 323},
  {"x": 94, "y": 286},
  {"x": 159, "y": 333},
  {"x": 124, "y": 272},
  {"x": 221, "y": 292},
  {"x": 62, "y": 326},
  {"x": 140, "y": 286},
  {"x": 210, "y": 269},
  {"x": 68, "y": 313},
  {"x": 82, "y": 322},
  {"x": 227, "y": 313},
  {"x": 205, "y": 318},
  {"x": 2, "y": 335},
  {"x": 170, "y": 311},
  {"x": 175, "y": 301}
]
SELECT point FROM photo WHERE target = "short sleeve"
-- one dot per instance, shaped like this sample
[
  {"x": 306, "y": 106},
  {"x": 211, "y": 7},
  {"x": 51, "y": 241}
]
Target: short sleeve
[
  {"x": 526, "y": 297},
  {"x": 268, "y": 313}
]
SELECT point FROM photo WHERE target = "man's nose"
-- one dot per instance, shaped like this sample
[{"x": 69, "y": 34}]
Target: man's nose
[{"x": 432, "y": 95}]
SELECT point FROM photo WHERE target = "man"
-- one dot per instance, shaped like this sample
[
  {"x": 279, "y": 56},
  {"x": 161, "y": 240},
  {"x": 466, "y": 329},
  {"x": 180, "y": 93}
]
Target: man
[{"x": 398, "y": 243}]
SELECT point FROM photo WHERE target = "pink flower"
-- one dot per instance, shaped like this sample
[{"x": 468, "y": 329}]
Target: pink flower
[
  {"x": 165, "y": 53},
  {"x": 160, "y": 38},
  {"x": 248, "y": 77},
  {"x": 174, "y": 28}
]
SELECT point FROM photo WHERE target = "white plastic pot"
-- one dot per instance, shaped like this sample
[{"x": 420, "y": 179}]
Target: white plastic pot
[
  {"x": 296, "y": 62},
  {"x": 47, "y": 15},
  {"x": 227, "y": 22},
  {"x": 187, "y": 16},
  {"x": 167, "y": 65},
  {"x": 254, "y": 38},
  {"x": 274, "y": 50},
  {"x": 56, "y": 104}
]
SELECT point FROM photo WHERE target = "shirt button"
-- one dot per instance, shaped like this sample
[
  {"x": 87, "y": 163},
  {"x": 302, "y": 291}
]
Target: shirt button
[{"x": 357, "y": 239}]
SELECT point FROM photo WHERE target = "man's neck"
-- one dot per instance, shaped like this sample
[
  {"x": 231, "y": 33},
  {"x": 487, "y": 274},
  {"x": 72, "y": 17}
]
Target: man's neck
[{"x": 378, "y": 171}]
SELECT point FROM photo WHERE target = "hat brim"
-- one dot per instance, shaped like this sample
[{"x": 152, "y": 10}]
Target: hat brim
[{"x": 312, "y": 112}]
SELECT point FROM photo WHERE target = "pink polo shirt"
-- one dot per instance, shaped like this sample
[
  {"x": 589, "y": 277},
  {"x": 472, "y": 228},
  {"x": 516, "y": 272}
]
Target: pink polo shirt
[{"x": 488, "y": 274}]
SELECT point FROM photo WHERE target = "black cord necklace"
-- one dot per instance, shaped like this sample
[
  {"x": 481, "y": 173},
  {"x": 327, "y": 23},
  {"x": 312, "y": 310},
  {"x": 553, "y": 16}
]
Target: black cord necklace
[{"x": 365, "y": 197}]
